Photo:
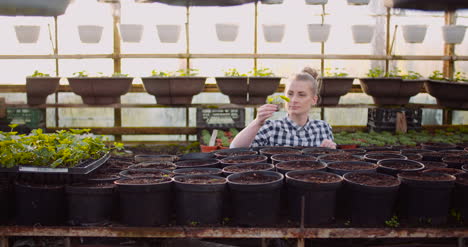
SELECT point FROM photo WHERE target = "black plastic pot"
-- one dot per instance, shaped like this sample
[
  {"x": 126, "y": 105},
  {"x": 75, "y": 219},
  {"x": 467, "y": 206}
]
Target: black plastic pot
[
  {"x": 327, "y": 158},
  {"x": 255, "y": 203},
  {"x": 450, "y": 171},
  {"x": 300, "y": 165},
  {"x": 244, "y": 159},
  {"x": 199, "y": 163},
  {"x": 199, "y": 199},
  {"x": 425, "y": 197},
  {"x": 432, "y": 156},
  {"x": 433, "y": 164},
  {"x": 228, "y": 170},
  {"x": 355, "y": 151},
  {"x": 317, "y": 151},
  {"x": 145, "y": 204},
  {"x": 145, "y": 172},
  {"x": 461, "y": 195},
  {"x": 102, "y": 178},
  {"x": 416, "y": 151},
  {"x": 164, "y": 165},
  {"x": 438, "y": 146},
  {"x": 277, "y": 158},
  {"x": 369, "y": 197},
  {"x": 455, "y": 161},
  {"x": 4, "y": 206},
  {"x": 223, "y": 153},
  {"x": 314, "y": 187},
  {"x": 375, "y": 157},
  {"x": 90, "y": 204},
  {"x": 415, "y": 157},
  {"x": 155, "y": 158},
  {"x": 395, "y": 166},
  {"x": 198, "y": 171},
  {"x": 465, "y": 168},
  {"x": 270, "y": 151},
  {"x": 39, "y": 204},
  {"x": 343, "y": 167}
]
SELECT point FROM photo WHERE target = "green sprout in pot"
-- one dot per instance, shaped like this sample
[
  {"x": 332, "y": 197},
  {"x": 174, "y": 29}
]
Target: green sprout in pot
[
  {"x": 437, "y": 76},
  {"x": 337, "y": 72},
  {"x": 412, "y": 75},
  {"x": 118, "y": 74},
  {"x": 39, "y": 74},
  {"x": 375, "y": 72},
  {"x": 233, "y": 72},
  {"x": 83, "y": 73},
  {"x": 187, "y": 72},
  {"x": 460, "y": 76},
  {"x": 158, "y": 73},
  {"x": 277, "y": 100},
  {"x": 262, "y": 72}
]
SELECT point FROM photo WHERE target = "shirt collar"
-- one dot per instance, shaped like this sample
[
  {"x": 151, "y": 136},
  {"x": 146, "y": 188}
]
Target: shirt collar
[{"x": 295, "y": 125}]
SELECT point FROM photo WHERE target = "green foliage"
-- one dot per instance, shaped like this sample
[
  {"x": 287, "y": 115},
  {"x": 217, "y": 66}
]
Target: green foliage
[
  {"x": 460, "y": 76},
  {"x": 119, "y": 75},
  {"x": 223, "y": 138},
  {"x": 412, "y": 75},
  {"x": 393, "y": 222},
  {"x": 233, "y": 72},
  {"x": 262, "y": 72},
  {"x": 189, "y": 72},
  {"x": 83, "y": 73},
  {"x": 394, "y": 73},
  {"x": 39, "y": 74},
  {"x": 155, "y": 72},
  {"x": 437, "y": 75},
  {"x": 338, "y": 72},
  {"x": 375, "y": 72},
  {"x": 277, "y": 99},
  {"x": 206, "y": 136},
  {"x": 60, "y": 149}
]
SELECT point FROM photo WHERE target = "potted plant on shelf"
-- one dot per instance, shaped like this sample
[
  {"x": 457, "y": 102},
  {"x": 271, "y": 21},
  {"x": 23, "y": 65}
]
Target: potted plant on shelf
[
  {"x": 235, "y": 85},
  {"x": 414, "y": 33},
  {"x": 318, "y": 32},
  {"x": 273, "y": 32},
  {"x": 453, "y": 34},
  {"x": 131, "y": 33},
  {"x": 100, "y": 90},
  {"x": 334, "y": 85},
  {"x": 174, "y": 88},
  {"x": 168, "y": 33},
  {"x": 39, "y": 86},
  {"x": 27, "y": 33},
  {"x": 227, "y": 31},
  {"x": 449, "y": 93},
  {"x": 90, "y": 34},
  {"x": 362, "y": 34},
  {"x": 262, "y": 82}
]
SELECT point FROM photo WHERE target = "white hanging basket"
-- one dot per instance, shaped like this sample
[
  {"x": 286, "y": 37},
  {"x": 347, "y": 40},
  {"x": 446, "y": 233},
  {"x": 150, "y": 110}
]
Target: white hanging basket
[
  {"x": 453, "y": 34},
  {"x": 318, "y": 32},
  {"x": 131, "y": 33},
  {"x": 414, "y": 33},
  {"x": 316, "y": 2},
  {"x": 272, "y": 1},
  {"x": 90, "y": 34},
  {"x": 227, "y": 31},
  {"x": 27, "y": 34},
  {"x": 362, "y": 34},
  {"x": 168, "y": 33},
  {"x": 273, "y": 32},
  {"x": 358, "y": 2}
]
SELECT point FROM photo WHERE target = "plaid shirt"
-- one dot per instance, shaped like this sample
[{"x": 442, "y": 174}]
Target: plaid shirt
[{"x": 285, "y": 132}]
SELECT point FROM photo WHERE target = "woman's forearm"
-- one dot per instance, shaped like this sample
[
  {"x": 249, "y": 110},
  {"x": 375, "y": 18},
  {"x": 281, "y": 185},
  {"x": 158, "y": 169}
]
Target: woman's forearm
[{"x": 246, "y": 136}]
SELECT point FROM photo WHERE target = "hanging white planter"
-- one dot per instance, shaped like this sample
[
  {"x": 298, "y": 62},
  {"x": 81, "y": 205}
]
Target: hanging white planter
[
  {"x": 316, "y": 2},
  {"x": 362, "y": 34},
  {"x": 90, "y": 34},
  {"x": 453, "y": 34},
  {"x": 227, "y": 31},
  {"x": 168, "y": 33},
  {"x": 358, "y": 2},
  {"x": 131, "y": 33},
  {"x": 27, "y": 33},
  {"x": 272, "y": 1},
  {"x": 273, "y": 32},
  {"x": 318, "y": 32},
  {"x": 414, "y": 33}
]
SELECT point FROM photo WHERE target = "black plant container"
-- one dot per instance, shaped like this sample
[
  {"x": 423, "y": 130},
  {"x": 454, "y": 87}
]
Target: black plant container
[
  {"x": 425, "y": 197},
  {"x": 40, "y": 204},
  {"x": 461, "y": 195},
  {"x": 145, "y": 204},
  {"x": 255, "y": 203},
  {"x": 343, "y": 167},
  {"x": 228, "y": 170},
  {"x": 395, "y": 166},
  {"x": 4, "y": 206},
  {"x": 370, "y": 197},
  {"x": 314, "y": 187},
  {"x": 199, "y": 163},
  {"x": 90, "y": 204},
  {"x": 198, "y": 171},
  {"x": 199, "y": 199}
]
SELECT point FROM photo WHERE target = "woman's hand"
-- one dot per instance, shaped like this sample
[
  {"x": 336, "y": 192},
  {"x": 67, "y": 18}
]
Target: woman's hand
[
  {"x": 328, "y": 144},
  {"x": 264, "y": 112}
]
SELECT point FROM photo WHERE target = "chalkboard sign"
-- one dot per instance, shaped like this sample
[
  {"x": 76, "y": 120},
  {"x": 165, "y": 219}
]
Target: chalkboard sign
[{"x": 220, "y": 118}]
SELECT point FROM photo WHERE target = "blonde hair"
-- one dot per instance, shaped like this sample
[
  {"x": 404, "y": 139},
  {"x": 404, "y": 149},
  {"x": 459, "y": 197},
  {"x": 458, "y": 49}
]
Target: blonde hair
[{"x": 307, "y": 74}]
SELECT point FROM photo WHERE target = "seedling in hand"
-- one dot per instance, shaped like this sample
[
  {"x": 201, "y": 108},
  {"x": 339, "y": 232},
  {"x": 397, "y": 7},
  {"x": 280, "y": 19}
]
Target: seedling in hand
[{"x": 277, "y": 100}]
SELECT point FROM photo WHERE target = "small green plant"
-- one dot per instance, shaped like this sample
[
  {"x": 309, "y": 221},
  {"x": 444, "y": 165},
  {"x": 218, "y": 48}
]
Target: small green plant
[
  {"x": 262, "y": 72},
  {"x": 233, "y": 72},
  {"x": 375, "y": 72},
  {"x": 155, "y": 72},
  {"x": 412, "y": 75},
  {"x": 185, "y": 72},
  {"x": 226, "y": 220},
  {"x": 117, "y": 74},
  {"x": 394, "y": 73},
  {"x": 437, "y": 75},
  {"x": 460, "y": 76},
  {"x": 39, "y": 74},
  {"x": 425, "y": 221},
  {"x": 83, "y": 73},
  {"x": 206, "y": 136},
  {"x": 338, "y": 72},
  {"x": 392, "y": 222},
  {"x": 194, "y": 223},
  {"x": 456, "y": 215}
]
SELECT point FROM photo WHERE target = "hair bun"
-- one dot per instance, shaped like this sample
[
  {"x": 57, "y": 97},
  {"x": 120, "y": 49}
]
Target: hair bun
[{"x": 310, "y": 71}]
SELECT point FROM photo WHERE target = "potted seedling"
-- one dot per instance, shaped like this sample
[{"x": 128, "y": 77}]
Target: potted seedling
[
  {"x": 277, "y": 100},
  {"x": 449, "y": 93},
  {"x": 453, "y": 34},
  {"x": 168, "y": 33},
  {"x": 414, "y": 33},
  {"x": 318, "y": 32},
  {"x": 27, "y": 33},
  {"x": 273, "y": 32},
  {"x": 131, "y": 32},
  {"x": 90, "y": 34},
  {"x": 262, "y": 82},
  {"x": 235, "y": 85},
  {"x": 100, "y": 90},
  {"x": 363, "y": 34},
  {"x": 39, "y": 86},
  {"x": 334, "y": 85},
  {"x": 227, "y": 31},
  {"x": 174, "y": 88}
]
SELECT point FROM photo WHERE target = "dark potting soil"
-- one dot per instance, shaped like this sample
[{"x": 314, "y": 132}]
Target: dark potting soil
[
  {"x": 382, "y": 156},
  {"x": 145, "y": 181},
  {"x": 139, "y": 174},
  {"x": 373, "y": 179},
  {"x": 383, "y": 152},
  {"x": 450, "y": 171},
  {"x": 117, "y": 164},
  {"x": 401, "y": 165},
  {"x": 322, "y": 151},
  {"x": 316, "y": 177},
  {"x": 414, "y": 156},
  {"x": 280, "y": 151},
  {"x": 416, "y": 151},
  {"x": 199, "y": 171},
  {"x": 246, "y": 160},
  {"x": 201, "y": 180},
  {"x": 254, "y": 178},
  {"x": 340, "y": 157},
  {"x": 350, "y": 166},
  {"x": 94, "y": 185},
  {"x": 194, "y": 163},
  {"x": 103, "y": 176},
  {"x": 156, "y": 165},
  {"x": 426, "y": 176},
  {"x": 40, "y": 185},
  {"x": 457, "y": 159},
  {"x": 246, "y": 168},
  {"x": 462, "y": 179},
  {"x": 354, "y": 151},
  {"x": 300, "y": 165},
  {"x": 289, "y": 157},
  {"x": 450, "y": 153},
  {"x": 230, "y": 154},
  {"x": 433, "y": 164}
]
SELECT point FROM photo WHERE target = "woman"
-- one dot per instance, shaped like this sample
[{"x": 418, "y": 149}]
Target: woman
[{"x": 296, "y": 129}]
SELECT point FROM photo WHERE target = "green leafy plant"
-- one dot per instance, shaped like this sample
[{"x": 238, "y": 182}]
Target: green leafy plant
[
  {"x": 392, "y": 222},
  {"x": 412, "y": 75},
  {"x": 194, "y": 223},
  {"x": 338, "y": 72},
  {"x": 233, "y": 72},
  {"x": 460, "y": 76},
  {"x": 155, "y": 72},
  {"x": 83, "y": 73},
  {"x": 262, "y": 72},
  {"x": 437, "y": 75},
  {"x": 394, "y": 73},
  {"x": 375, "y": 72},
  {"x": 39, "y": 74},
  {"x": 117, "y": 74},
  {"x": 223, "y": 138},
  {"x": 185, "y": 72}
]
